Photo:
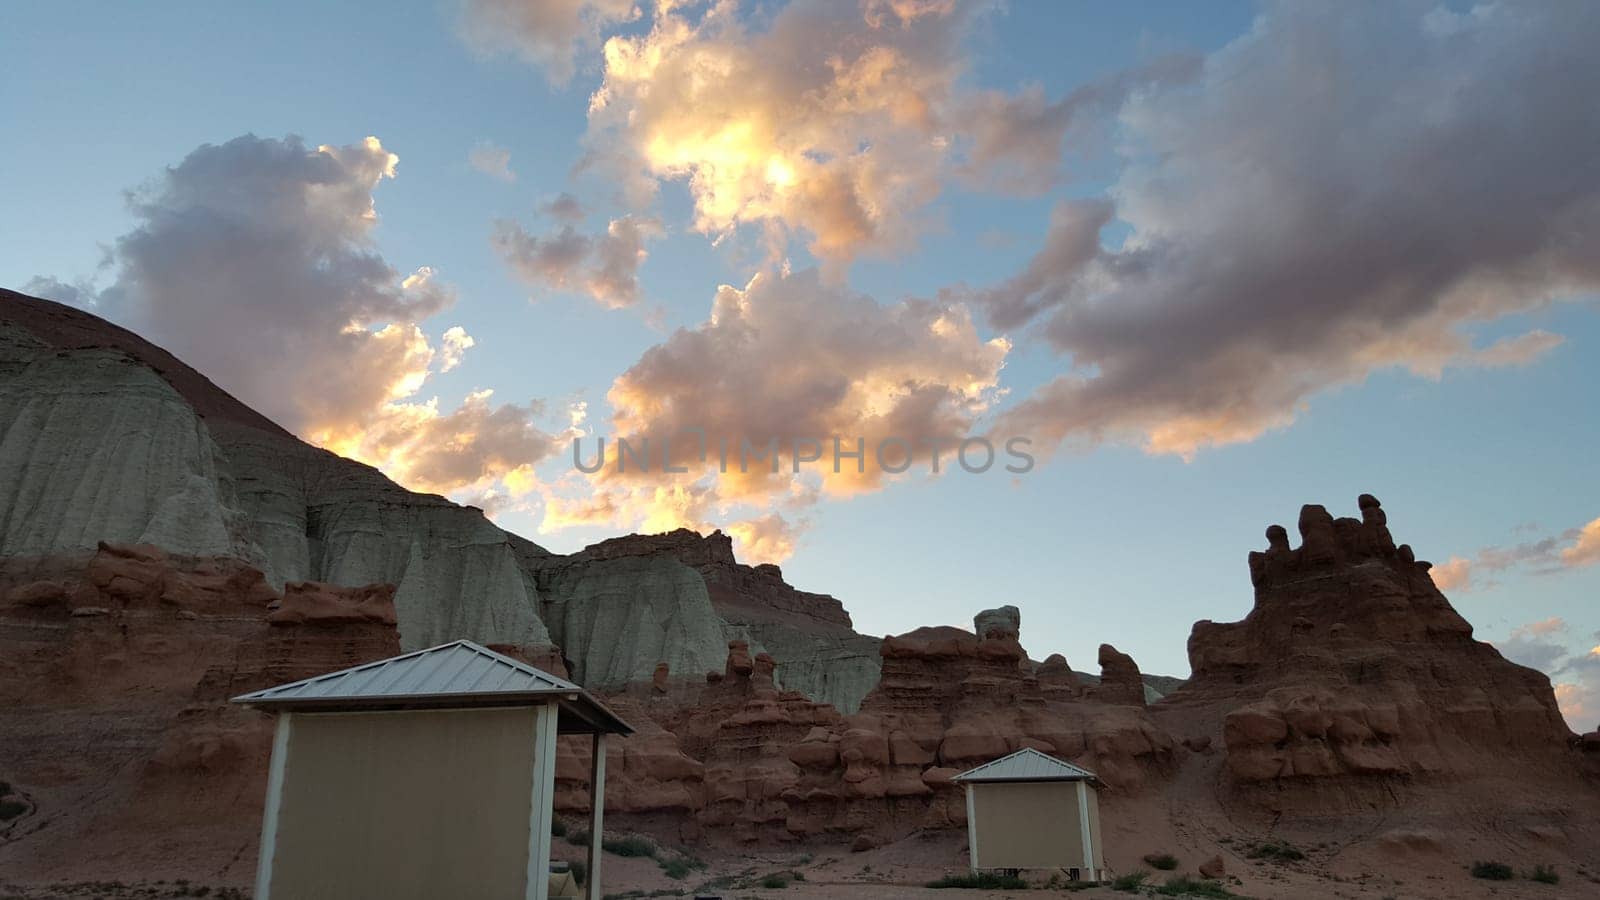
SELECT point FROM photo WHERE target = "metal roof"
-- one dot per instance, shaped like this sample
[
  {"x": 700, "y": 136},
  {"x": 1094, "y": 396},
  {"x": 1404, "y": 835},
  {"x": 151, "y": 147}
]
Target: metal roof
[
  {"x": 453, "y": 675},
  {"x": 1026, "y": 764}
]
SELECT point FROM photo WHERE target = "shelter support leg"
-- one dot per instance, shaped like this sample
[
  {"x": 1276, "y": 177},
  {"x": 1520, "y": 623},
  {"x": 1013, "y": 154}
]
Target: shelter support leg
[{"x": 597, "y": 810}]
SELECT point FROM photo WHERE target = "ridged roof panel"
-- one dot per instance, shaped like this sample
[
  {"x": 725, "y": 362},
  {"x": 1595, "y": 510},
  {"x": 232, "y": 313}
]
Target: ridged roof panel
[
  {"x": 1026, "y": 764},
  {"x": 459, "y": 668}
]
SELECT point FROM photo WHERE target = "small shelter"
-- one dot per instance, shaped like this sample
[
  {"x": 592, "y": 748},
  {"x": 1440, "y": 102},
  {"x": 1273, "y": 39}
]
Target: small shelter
[
  {"x": 431, "y": 774},
  {"x": 1033, "y": 811}
]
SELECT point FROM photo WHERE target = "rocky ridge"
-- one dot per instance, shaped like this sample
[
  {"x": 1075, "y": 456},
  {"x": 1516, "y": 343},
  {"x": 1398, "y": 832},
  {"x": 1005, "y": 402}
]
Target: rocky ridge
[{"x": 106, "y": 437}]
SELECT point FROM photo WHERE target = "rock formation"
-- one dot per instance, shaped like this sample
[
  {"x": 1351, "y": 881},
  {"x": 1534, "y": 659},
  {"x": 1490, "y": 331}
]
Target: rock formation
[
  {"x": 115, "y": 669},
  {"x": 163, "y": 547},
  {"x": 106, "y": 437},
  {"x": 1353, "y": 668}
]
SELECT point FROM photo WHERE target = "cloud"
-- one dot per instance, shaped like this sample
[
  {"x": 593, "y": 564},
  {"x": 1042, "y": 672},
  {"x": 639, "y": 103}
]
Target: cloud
[
  {"x": 252, "y": 260},
  {"x": 81, "y": 294},
  {"x": 1341, "y": 191},
  {"x": 1016, "y": 139},
  {"x": 769, "y": 538},
  {"x": 563, "y": 207},
  {"x": 492, "y": 160},
  {"x": 1546, "y": 556},
  {"x": 547, "y": 33},
  {"x": 1575, "y": 677},
  {"x": 1578, "y": 691},
  {"x": 1454, "y": 574},
  {"x": 603, "y": 266},
  {"x": 456, "y": 343},
  {"x": 1585, "y": 550},
  {"x": 1530, "y": 645},
  {"x": 835, "y": 122},
  {"x": 785, "y": 360},
  {"x": 465, "y": 449}
]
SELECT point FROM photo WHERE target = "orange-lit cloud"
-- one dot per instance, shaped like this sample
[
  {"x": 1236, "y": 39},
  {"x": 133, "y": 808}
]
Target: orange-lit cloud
[
  {"x": 1585, "y": 550},
  {"x": 1454, "y": 574},
  {"x": 785, "y": 360},
  {"x": 832, "y": 122}
]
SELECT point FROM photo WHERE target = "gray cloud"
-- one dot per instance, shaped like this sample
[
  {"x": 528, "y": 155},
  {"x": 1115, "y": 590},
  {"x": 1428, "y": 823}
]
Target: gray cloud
[
  {"x": 1017, "y": 139},
  {"x": 603, "y": 266},
  {"x": 492, "y": 160},
  {"x": 252, "y": 261},
  {"x": 563, "y": 207},
  {"x": 547, "y": 33},
  {"x": 1344, "y": 189}
]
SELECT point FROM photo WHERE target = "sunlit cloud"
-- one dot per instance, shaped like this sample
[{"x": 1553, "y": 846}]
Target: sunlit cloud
[
  {"x": 789, "y": 359},
  {"x": 1454, "y": 574},
  {"x": 1585, "y": 550}
]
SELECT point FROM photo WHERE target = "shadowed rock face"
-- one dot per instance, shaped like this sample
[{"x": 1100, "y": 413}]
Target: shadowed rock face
[
  {"x": 115, "y": 669},
  {"x": 1352, "y": 663}
]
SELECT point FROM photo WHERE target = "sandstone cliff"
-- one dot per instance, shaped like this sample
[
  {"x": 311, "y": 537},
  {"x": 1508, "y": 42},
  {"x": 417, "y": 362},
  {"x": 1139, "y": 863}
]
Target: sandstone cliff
[{"x": 106, "y": 437}]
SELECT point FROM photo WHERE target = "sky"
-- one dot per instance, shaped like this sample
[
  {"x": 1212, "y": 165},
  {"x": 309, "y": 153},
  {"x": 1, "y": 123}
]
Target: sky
[{"x": 1210, "y": 262}]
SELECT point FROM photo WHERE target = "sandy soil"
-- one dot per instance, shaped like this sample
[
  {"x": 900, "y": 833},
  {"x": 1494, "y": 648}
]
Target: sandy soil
[{"x": 902, "y": 870}]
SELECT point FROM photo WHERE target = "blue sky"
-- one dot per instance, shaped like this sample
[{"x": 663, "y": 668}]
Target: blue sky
[{"x": 1106, "y": 540}]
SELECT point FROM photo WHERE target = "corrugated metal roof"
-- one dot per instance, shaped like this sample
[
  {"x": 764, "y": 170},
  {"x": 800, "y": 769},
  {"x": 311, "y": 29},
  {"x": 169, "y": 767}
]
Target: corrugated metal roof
[
  {"x": 1026, "y": 764},
  {"x": 460, "y": 673}
]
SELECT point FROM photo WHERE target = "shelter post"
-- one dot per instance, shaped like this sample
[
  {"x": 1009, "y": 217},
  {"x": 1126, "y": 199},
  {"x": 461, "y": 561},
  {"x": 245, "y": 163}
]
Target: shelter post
[{"x": 597, "y": 809}]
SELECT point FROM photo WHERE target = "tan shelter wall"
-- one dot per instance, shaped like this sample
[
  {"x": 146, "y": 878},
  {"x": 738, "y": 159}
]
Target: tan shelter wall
[
  {"x": 1094, "y": 827},
  {"x": 1029, "y": 825},
  {"x": 405, "y": 804}
]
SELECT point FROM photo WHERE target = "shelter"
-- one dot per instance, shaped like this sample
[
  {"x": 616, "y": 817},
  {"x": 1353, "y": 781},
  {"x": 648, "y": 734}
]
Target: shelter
[
  {"x": 1033, "y": 811},
  {"x": 431, "y": 774}
]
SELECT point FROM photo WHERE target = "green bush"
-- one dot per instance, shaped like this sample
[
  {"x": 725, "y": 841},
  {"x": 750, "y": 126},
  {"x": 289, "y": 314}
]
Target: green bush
[
  {"x": 677, "y": 867},
  {"x": 632, "y": 845},
  {"x": 1130, "y": 882},
  {"x": 982, "y": 881},
  {"x": 1184, "y": 886},
  {"x": 1544, "y": 875},
  {"x": 776, "y": 881},
  {"x": 10, "y": 809},
  {"x": 1284, "y": 852},
  {"x": 1166, "y": 862},
  {"x": 578, "y": 837},
  {"x": 558, "y": 828},
  {"x": 1493, "y": 871}
]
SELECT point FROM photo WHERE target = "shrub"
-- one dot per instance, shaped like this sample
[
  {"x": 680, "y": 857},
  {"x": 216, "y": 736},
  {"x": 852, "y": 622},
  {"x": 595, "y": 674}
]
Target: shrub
[
  {"x": 775, "y": 881},
  {"x": 10, "y": 809},
  {"x": 1184, "y": 886},
  {"x": 578, "y": 837},
  {"x": 558, "y": 827},
  {"x": 632, "y": 845},
  {"x": 1284, "y": 852},
  {"x": 1130, "y": 882},
  {"x": 677, "y": 867},
  {"x": 1166, "y": 862},
  {"x": 1493, "y": 871},
  {"x": 1544, "y": 875},
  {"x": 983, "y": 881},
  {"x": 579, "y": 870}
]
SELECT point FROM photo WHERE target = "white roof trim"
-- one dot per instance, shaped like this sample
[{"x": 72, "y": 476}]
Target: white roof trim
[{"x": 1026, "y": 764}]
